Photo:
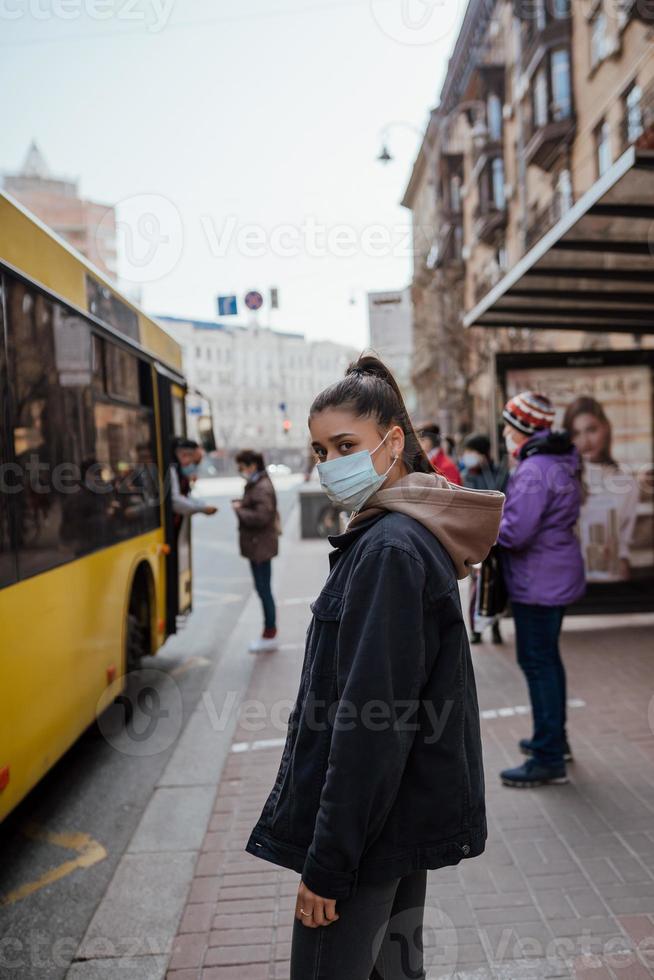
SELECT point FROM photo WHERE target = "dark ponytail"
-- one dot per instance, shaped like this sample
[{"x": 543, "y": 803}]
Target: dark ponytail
[{"x": 369, "y": 389}]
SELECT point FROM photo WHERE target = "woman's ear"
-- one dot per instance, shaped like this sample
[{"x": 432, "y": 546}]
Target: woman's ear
[{"x": 397, "y": 441}]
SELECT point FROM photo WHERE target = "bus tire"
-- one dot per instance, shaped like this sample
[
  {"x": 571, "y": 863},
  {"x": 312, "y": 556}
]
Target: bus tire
[{"x": 139, "y": 618}]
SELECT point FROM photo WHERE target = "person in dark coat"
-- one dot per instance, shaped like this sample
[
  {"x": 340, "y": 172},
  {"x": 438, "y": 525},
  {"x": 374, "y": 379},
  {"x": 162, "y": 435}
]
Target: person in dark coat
[
  {"x": 544, "y": 573},
  {"x": 259, "y": 530},
  {"x": 481, "y": 473},
  {"x": 381, "y": 776}
]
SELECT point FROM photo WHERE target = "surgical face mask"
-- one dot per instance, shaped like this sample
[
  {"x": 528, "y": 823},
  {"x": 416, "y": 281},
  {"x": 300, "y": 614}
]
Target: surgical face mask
[
  {"x": 351, "y": 480},
  {"x": 470, "y": 460},
  {"x": 189, "y": 469}
]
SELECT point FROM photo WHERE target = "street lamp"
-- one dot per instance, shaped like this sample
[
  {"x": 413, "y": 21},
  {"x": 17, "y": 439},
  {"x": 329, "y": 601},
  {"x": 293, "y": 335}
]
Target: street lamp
[{"x": 385, "y": 156}]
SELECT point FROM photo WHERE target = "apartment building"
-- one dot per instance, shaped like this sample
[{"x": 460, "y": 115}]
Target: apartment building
[{"x": 533, "y": 195}]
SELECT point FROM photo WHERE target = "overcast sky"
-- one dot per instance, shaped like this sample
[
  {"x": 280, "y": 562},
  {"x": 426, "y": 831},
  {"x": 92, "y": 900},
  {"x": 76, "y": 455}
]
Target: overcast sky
[{"x": 238, "y": 140}]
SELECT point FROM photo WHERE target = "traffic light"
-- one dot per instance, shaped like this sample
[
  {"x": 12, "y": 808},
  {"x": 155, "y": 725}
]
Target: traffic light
[{"x": 287, "y": 425}]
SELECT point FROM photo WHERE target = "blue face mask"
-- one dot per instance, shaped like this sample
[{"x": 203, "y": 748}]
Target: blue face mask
[
  {"x": 189, "y": 469},
  {"x": 351, "y": 480}
]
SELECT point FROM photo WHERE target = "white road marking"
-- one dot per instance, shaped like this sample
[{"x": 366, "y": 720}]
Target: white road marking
[{"x": 522, "y": 709}]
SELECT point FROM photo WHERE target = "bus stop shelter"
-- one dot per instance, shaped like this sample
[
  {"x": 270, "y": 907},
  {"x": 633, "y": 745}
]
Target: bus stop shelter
[{"x": 594, "y": 269}]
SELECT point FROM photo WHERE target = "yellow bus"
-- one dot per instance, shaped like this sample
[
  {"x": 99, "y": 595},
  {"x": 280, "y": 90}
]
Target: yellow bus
[{"x": 91, "y": 574}]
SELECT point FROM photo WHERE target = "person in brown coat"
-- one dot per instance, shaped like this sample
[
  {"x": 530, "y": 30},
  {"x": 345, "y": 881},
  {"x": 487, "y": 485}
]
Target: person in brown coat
[{"x": 259, "y": 531}]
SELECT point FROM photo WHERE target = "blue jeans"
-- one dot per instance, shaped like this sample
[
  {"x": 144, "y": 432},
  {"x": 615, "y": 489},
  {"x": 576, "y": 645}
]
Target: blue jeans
[
  {"x": 261, "y": 573},
  {"x": 377, "y": 937},
  {"x": 537, "y": 631}
]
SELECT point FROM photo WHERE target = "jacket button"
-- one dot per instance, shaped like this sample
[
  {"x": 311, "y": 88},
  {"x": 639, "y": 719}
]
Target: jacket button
[{"x": 466, "y": 848}]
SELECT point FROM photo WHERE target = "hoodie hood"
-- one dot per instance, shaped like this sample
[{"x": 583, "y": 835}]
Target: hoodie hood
[{"x": 465, "y": 522}]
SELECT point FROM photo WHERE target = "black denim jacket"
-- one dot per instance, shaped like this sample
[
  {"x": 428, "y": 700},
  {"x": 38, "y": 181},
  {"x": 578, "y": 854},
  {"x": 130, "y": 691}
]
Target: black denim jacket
[{"x": 381, "y": 773}]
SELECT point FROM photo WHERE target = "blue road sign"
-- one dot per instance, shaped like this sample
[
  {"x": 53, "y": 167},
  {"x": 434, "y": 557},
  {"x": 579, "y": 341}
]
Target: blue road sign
[{"x": 227, "y": 306}]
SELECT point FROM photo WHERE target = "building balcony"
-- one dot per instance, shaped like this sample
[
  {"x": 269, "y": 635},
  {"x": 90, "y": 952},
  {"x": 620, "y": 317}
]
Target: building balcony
[
  {"x": 640, "y": 131},
  {"x": 537, "y": 40},
  {"x": 490, "y": 220},
  {"x": 546, "y": 142}
]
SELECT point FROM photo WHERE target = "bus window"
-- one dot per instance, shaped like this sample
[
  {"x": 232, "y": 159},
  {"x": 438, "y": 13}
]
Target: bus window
[
  {"x": 86, "y": 462},
  {"x": 122, "y": 373}
]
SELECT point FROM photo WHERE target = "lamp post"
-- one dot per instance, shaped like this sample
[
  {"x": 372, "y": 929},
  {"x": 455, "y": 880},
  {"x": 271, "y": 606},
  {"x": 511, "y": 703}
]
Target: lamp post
[{"x": 385, "y": 156}]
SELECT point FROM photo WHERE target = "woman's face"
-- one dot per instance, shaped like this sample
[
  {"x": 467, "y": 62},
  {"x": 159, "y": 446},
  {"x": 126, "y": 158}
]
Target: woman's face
[
  {"x": 337, "y": 432},
  {"x": 590, "y": 435}
]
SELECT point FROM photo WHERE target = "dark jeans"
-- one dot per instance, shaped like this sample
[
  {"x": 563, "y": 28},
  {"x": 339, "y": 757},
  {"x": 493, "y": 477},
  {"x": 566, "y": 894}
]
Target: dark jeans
[
  {"x": 261, "y": 573},
  {"x": 377, "y": 937},
  {"x": 537, "y": 639}
]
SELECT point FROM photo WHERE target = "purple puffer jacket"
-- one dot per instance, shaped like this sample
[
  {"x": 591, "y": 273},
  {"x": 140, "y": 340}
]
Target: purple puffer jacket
[{"x": 541, "y": 557}]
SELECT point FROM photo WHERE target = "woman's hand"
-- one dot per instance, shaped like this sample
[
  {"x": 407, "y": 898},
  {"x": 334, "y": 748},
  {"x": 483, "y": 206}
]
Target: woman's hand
[{"x": 321, "y": 911}]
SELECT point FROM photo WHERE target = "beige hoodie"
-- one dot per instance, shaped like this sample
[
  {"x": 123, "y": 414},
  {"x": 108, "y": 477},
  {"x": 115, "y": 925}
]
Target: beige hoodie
[{"x": 465, "y": 521}]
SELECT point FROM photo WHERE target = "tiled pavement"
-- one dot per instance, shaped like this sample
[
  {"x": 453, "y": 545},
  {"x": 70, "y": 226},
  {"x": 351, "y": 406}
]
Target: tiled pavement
[{"x": 566, "y": 885}]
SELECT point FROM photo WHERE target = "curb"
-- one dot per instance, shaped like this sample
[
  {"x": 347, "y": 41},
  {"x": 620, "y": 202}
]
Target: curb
[{"x": 133, "y": 928}]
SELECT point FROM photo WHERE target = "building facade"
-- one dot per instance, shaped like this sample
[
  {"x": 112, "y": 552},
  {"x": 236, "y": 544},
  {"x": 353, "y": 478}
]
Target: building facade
[
  {"x": 390, "y": 320},
  {"x": 258, "y": 382},
  {"x": 541, "y": 98},
  {"x": 86, "y": 225}
]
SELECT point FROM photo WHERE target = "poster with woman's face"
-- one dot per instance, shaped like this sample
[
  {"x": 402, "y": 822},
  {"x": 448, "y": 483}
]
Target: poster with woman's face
[{"x": 605, "y": 401}]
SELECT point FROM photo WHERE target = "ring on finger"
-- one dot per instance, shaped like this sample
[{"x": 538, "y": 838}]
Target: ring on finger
[{"x": 309, "y": 914}]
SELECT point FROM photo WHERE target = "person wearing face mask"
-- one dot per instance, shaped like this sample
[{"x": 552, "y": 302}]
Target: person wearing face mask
[
  {"x": 481, "y": 473},
  {"x": 381, "y": 776},
  {"x": 544, "y": 573},
  {"x": 259, "y": 531},
  {"x": 182, "y": 473}
]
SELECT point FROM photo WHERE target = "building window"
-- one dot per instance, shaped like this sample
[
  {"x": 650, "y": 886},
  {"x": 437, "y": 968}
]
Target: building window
[
  {"x": 541, "y": 98},
  {"x": 633, "y": 113},
  {"x": 564, "y": 192},
  {"x": 561, "y": 87},
  {"x": 598, "y": 39},
  {"x": 455, "y": 192},
  {"x": 603, "y": 147},
  {"x": 494, "y": 116},
  {"x": 497, "y": 180},
  {"x": 560, "y": 9}
]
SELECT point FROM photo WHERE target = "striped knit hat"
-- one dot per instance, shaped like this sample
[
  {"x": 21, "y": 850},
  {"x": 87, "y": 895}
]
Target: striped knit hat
[{"x": 529, "y": 412}]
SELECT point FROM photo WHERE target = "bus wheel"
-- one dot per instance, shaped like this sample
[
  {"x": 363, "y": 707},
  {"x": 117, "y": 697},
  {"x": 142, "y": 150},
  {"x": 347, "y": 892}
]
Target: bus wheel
[
  {"x": 139, "y": 619},
  {"x": 134, "y": 643}
]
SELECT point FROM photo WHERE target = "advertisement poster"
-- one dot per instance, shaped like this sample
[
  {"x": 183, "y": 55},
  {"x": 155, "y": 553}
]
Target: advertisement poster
[{"x": 605, "y": 401}]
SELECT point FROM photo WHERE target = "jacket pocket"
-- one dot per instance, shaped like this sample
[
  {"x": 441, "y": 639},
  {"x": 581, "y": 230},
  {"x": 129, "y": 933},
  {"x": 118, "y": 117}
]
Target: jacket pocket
[{"x": 327, "y": 610}]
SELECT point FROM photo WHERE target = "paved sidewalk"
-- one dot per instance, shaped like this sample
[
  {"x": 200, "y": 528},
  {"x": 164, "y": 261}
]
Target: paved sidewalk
[{"x": 566, "y": 885}]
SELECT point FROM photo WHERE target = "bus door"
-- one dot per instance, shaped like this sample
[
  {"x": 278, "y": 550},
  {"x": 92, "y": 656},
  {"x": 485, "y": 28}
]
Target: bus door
[{"x": 177, "y": 534}]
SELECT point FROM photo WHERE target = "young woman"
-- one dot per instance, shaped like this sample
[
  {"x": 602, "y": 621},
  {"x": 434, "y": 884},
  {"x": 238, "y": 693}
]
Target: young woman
[
  {"x": 608, "y": 512},
  {"x": 259, "y": 537},
  {"x": 381, "y": 776}
]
